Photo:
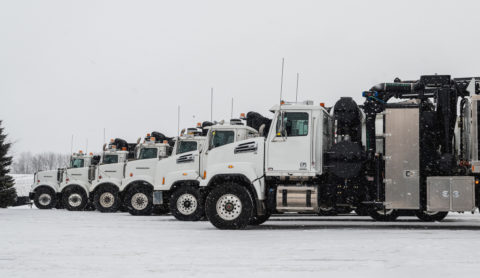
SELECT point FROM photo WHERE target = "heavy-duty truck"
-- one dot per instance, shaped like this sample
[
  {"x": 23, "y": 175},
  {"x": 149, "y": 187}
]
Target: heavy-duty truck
[
  {"x": 45, "y": 187},
  {"x": 111, "y": 170},
  {"x": 175, "y": 180},
  {"x": 78, "y": 181},
  {"x": 75, "y": 181},
  {"x": 109, "y": 193},
  {"x": 48, "y": 186},
  {"x": 387, "y": 157}
]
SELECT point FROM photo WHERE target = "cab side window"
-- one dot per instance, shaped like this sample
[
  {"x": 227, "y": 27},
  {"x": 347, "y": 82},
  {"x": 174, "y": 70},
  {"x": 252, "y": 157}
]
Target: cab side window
[
  {"x": 77, "y": 163},
  {"x": 221, "y": 137},
  {"x": 186, "y": 146},
  {"x": 294, "y": 124},
  {"x": 147, "y": 153}
]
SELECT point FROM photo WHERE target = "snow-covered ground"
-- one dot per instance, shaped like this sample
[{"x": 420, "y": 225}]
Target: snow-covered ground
[
  {"x": 23, "y": 183},
  {"x": 59, "y": 243}
]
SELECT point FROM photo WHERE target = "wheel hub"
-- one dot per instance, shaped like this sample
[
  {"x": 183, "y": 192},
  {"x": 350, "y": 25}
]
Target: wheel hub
[
  {"x": 139, "y": 201},
  {"x": 229, "y": 207},
  {"x": 107, "y": 199},
  {"x": 187, "y": 204},
  {"x": 45, "y": 199},
  {"x": 74, "y": 200}
]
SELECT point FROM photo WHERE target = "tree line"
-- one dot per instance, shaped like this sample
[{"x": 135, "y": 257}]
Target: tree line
[{"x": 28, "y": 163}]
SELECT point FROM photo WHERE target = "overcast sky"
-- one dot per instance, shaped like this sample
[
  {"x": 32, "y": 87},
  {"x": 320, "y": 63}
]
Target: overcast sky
[{"x": 77, "y": 67}]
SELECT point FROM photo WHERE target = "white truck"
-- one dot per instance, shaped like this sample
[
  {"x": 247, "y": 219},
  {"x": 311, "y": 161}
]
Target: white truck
[
  {"x": 47, "y": 187},
  {"x": 313, "y": 159},
  {"x": 76, "y": 180},
  {"x": 109, "y": 193},
  {"x": 111, "y": 171},
  {"x": 175, "y": 180},
  {"x": 236, "y": 174}
]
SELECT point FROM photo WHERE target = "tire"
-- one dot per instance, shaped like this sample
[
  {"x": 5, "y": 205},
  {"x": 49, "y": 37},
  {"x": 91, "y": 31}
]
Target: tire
[
  {"x": 229, "y": 207},
  {"x": 45, "y": 198},
  {"x": 383, "y": 215},
  {"x": 139, "y": 200},
  {"x": 259, "y": 219},
  {"x": 187, "y": 204},
  {"x": 74, "y": 198},
  {"x": 431, "y": 216},
  {"x": 106, "y": 199}
]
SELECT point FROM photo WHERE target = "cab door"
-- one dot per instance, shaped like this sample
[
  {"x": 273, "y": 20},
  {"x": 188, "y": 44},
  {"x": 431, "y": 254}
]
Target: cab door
[
  {"x": 288, "y": 146},
  {"x": 186, "y": 157},
  {"x": 213, "y": 152}
]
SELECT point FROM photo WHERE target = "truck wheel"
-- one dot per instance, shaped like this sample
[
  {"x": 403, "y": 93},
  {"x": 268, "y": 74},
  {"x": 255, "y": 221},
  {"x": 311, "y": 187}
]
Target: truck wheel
[
  {"x": 139, "y": 201},
  {"x": 229, "y": 207},
  {"x": 431, "y": 216},
  {"x": 186, "y": 204},
  {"x": 106, "y": 199},
  {"x": 259, "y": 219},
  {"x": 74, "y": 199},
  {"x": 45, "y": 198},
  {"x": 383, "y": 215}
]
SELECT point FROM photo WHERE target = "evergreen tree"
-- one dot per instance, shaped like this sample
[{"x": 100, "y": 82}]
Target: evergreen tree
[{"x": 8, "y": 194}]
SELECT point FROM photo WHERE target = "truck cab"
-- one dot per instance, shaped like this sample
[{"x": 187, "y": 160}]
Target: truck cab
[
  {"x": 76, "y": 180},
  {"x": 281, "y": 170},
  {"x": 111, "y": 171}
]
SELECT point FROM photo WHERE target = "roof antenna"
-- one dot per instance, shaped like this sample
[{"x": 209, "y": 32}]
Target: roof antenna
[
  {"x": 280, "y": 107},
  {"x": 71, "y": 145},
  {"x": 178, "y": 121},
  {"x": 231, "y": 111},
  {"x": 296, "y": 92},
  {"x": 281, "y": 81},
  {"x": 211, "y": 105}
]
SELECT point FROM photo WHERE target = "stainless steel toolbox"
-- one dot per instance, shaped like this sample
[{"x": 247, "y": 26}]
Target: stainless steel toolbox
[
  {"x": 452, "y": 193},
  {"x": 402, "y": 159}
]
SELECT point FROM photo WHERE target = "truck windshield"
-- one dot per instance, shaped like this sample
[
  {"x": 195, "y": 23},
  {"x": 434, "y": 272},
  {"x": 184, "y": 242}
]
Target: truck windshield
[
  {"x": 295, "y": 124},
  {"x": 186, "y": 146},
  {"x": 110, "y": 158},
  {"x": 221, "y": 137},
  {"x": 76, "y": 163},
  {"x": 147, "y": 153}
]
